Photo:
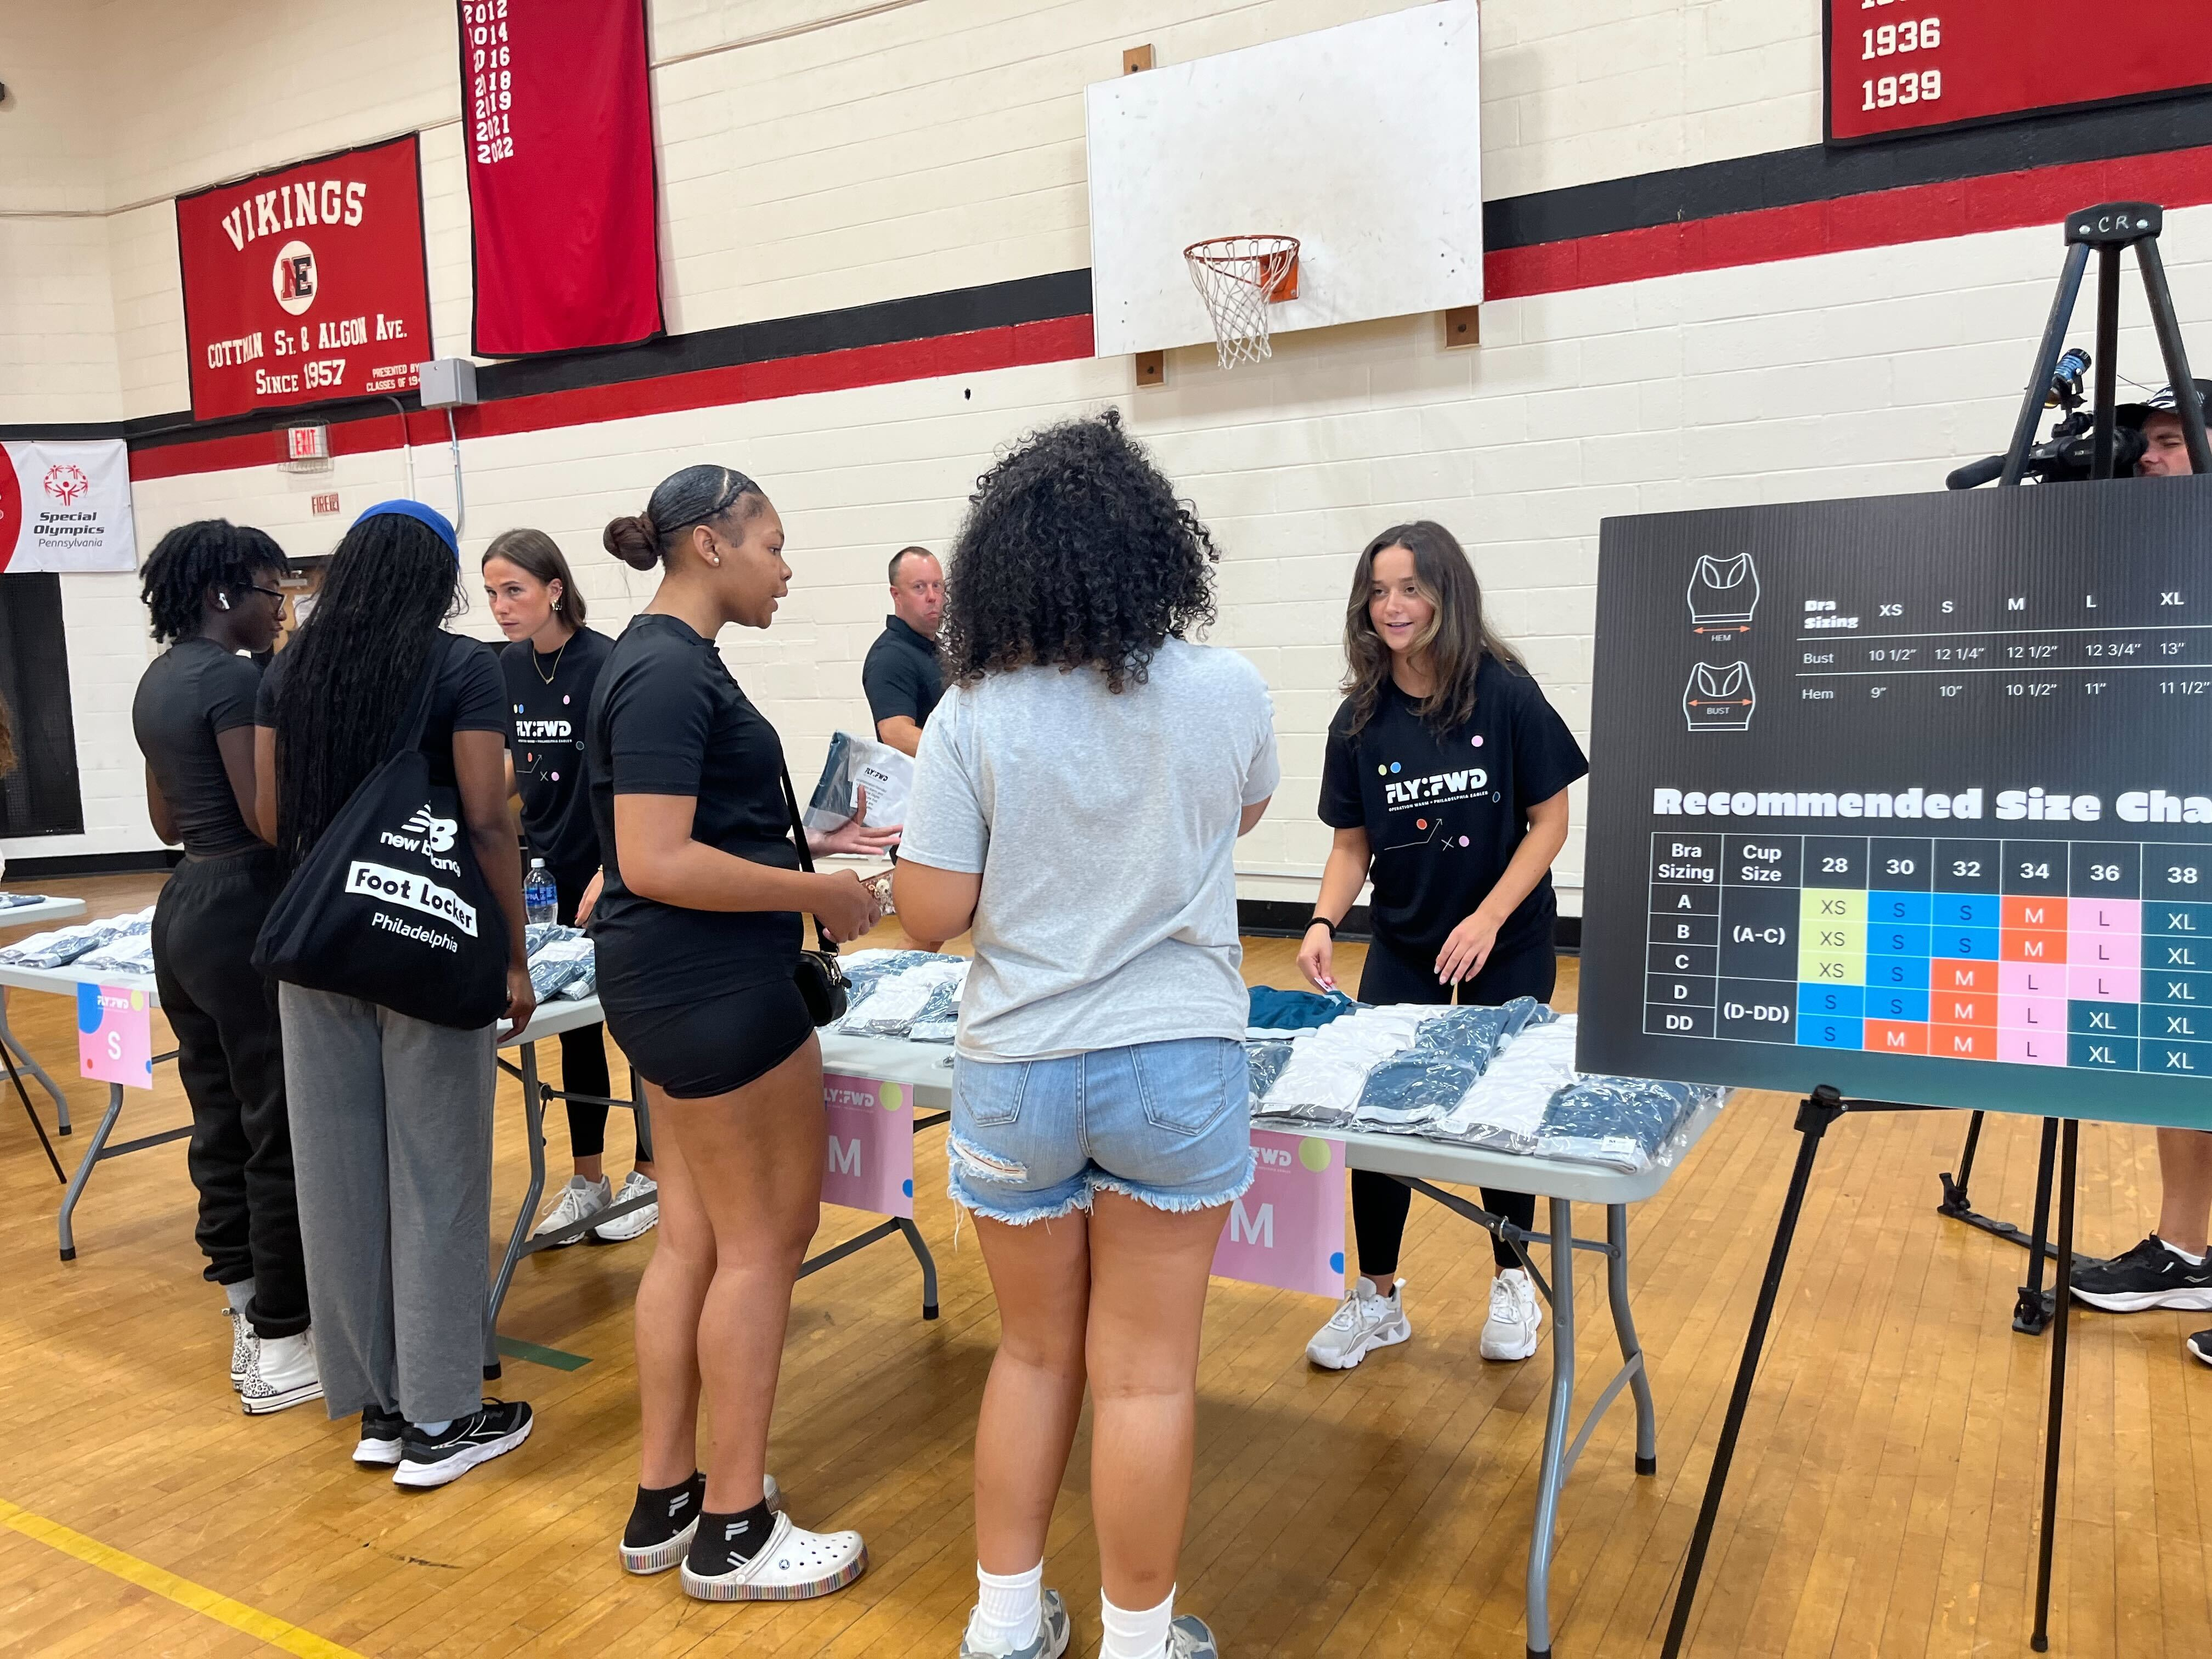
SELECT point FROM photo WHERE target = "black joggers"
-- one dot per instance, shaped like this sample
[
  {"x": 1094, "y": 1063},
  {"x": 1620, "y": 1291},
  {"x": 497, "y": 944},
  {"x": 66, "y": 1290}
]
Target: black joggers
[
  {"x": 1378, "y": 1203},
  {"x": 231, "y": 1058}
]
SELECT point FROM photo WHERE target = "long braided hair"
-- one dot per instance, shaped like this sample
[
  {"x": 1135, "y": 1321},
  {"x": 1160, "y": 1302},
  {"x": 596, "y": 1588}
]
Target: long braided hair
[
  {"x": 194, "y": 557},
  {"x": 351, "y": 669}
]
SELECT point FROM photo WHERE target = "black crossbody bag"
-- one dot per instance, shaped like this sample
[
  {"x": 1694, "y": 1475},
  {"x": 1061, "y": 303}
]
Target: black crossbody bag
[
  {"x": 821, "y": 979},
  {"x": 391, "y": 906}
]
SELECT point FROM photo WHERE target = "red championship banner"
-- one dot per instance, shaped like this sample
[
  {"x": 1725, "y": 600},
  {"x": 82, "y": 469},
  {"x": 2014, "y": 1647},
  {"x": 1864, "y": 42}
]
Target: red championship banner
[
  {"x": 557, "y": 127},
  {"x": 1903, "y": 66},
  {"x": 307, "y": 283}
]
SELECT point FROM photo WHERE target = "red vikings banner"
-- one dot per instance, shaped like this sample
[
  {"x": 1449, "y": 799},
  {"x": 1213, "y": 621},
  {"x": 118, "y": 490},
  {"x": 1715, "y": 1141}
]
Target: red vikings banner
[
  {"x": 557, "y": 129},
  {"x": 307, "y": 283}
]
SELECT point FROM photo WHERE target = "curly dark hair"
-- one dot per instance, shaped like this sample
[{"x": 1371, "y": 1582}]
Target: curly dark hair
[
  {"x": 1076, "y": 554},
  {"x": 194, "y": 557},
  {"x": 351, "y": 668}
]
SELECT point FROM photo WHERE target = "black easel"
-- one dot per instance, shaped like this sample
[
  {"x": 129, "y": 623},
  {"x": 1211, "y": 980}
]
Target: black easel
[
  {"x": 2031, "y": 1309},
  {"x": 2109, "y": 229}
]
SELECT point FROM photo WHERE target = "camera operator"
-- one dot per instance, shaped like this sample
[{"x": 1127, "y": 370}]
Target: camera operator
[
  {"x": 2166, "y": 451},
  {"x": 2169, "y": 1269}
]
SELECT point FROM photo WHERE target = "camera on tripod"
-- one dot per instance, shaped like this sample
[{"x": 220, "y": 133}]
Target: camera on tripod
[
  {"x": 2069, "y": 455},
  {"x": 2092, "y": 443}
]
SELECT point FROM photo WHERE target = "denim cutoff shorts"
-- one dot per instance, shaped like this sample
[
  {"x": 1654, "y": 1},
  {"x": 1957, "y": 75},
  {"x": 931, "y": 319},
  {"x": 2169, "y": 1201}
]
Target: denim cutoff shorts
[{"x": 1168, "y": 1124}]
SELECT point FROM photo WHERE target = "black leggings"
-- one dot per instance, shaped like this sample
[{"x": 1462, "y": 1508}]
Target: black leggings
[
  {"x": 1378, "y": 1203},
  {"x": 230, "y": 1058},
  {"x": 583, "y": 1051}
]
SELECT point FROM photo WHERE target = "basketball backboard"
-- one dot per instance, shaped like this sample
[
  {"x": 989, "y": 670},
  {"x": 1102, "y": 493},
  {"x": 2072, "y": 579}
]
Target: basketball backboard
[{"x": 1363, "y": 141}]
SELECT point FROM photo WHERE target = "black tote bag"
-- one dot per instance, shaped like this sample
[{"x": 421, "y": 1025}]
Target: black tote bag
[{"x": 391, "y": 907}]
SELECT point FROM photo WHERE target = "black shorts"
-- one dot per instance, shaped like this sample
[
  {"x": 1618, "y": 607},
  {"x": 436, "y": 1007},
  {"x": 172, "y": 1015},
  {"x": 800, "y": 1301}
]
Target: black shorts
[{"x": 693, "y": 1050}]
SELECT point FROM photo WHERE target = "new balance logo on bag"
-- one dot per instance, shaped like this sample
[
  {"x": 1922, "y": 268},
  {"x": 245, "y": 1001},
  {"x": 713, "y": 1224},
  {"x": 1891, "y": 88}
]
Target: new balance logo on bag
[{"x": 437, "y": 833}]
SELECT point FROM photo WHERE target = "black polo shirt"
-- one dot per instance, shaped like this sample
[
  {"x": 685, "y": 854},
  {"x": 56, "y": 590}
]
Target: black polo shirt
[{"x": 902, "y": 676}]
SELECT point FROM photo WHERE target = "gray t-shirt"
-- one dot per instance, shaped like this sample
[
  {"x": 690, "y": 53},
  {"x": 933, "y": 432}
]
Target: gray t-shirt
[{"x": 1104, "y": 827}]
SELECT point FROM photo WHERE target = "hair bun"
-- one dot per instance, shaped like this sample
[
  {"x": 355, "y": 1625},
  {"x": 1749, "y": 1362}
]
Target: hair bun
[{"x": 633, "y": 541}]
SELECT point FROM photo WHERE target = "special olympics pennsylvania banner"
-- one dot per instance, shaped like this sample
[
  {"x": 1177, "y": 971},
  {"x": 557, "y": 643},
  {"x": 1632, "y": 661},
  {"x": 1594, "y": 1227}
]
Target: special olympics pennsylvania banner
[
  {"x": 307, "y": 283},
  {"x": 66, "y": 507},
  {"x": 558, "y": 134}
]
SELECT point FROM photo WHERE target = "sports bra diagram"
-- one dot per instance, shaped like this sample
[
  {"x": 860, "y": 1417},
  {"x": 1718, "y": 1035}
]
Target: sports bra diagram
[
  {"x": 1723, "y": 591},
  {"x": 1719, "y": 699}
]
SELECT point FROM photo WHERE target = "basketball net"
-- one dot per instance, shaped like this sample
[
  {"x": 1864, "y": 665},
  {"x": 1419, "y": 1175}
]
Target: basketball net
[{"x": 1237, "y": 276}]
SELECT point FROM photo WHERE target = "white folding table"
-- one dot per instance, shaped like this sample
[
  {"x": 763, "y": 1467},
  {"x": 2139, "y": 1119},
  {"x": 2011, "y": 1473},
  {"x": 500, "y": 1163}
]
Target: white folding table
[{"x": 30, "y": 916}]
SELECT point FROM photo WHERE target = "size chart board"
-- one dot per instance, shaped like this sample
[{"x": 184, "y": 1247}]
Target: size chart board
[
  {"x": 1912, "y": 796},
  {"x": 1901, "y": 66}
]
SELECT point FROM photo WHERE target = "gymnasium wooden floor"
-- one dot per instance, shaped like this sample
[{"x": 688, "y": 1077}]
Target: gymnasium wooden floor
[{"x": 1882, "y": 1503}]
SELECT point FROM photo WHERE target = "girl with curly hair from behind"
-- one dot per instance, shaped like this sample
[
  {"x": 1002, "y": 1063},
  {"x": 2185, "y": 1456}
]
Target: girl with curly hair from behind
[
  {"x": 1078, "y": 800},
  {"x": 215, "y": 593}
]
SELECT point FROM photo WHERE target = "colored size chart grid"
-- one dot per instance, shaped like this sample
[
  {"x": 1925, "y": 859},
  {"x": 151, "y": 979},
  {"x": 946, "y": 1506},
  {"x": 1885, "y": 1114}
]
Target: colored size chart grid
[{"x": 2092, "y": 955}]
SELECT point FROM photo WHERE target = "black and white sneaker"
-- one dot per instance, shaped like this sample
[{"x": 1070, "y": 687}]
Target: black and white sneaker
[
  {"x": 2199, "y": 1345},
  {"x": 379, "y": 1439},
  {"x": 242, "y": 1342},
  {"x": 493, "y": 1430},
  {"x": 2149, "y": 1276}
]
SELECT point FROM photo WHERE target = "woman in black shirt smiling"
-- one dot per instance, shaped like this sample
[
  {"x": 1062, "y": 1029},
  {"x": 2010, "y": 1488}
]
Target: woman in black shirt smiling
[
  {"x": 213, "y": 590},
  {"x": 698, "y": 935},
  {"x": 1445, "y": 779}
]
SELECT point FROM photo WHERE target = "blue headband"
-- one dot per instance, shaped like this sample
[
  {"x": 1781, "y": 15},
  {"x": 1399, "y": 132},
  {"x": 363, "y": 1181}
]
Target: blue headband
[{"x": 421, "y": 514}]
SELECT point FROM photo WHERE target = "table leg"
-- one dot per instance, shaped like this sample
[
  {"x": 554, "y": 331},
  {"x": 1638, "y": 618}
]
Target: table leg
[
  {"x": 29, "y": 1064},
  {"x": 533, "y": 1119},
  {"x": 928, "y": 1266},
  {"x": 84, "y": 1168},
  {"x": 1632, "y": 1350},
  {"x": 1558, "y": 1423}
]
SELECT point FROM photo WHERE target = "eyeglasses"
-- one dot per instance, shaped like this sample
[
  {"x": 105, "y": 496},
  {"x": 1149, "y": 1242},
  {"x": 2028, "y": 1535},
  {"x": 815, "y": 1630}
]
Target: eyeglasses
[{"x": 275, "y": 594}]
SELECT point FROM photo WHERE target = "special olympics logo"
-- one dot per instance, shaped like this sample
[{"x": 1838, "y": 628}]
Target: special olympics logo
[
  {"x": 66, "y": 482},
  {"x": 293, "y": 276}
]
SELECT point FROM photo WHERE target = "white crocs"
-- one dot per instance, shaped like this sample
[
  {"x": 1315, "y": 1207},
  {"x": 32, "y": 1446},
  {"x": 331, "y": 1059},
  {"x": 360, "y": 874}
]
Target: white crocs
[{"x": 795, "y": 1564}]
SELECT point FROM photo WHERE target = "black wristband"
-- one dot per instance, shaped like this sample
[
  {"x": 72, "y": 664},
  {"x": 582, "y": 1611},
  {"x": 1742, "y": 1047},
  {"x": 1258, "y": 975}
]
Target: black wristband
[{"x": 1323, "y": 921}]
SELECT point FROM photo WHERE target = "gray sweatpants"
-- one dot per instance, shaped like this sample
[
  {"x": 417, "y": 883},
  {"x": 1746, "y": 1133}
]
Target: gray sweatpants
[{"x": 391, "y": 1154}]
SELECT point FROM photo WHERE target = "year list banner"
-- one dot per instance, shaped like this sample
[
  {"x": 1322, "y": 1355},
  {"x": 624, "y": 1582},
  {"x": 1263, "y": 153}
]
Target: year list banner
[
  {"x": 307, "y": 283},
  {"x": 558, "y": 129}
]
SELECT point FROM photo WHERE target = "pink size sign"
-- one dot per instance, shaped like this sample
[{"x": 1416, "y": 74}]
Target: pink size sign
[
  {"x": 114, "y": 1035},
  {"x": 870, "y": 1163},
  {"x": 1287, "y": 1230}
]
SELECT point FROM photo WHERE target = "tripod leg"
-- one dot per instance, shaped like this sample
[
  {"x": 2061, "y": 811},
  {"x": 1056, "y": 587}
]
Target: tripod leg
[
  {"x": 2046, "y": 362},
  {"x": 1813, "y": 1117},
  {"x": 2176, "y": 354},
  {"x": 2108, "y": 355},
  {"x": 2055, "y": 1426},
  {"x": 2030, "y": 1315},
  {"x": 1955, "y": 1198}
]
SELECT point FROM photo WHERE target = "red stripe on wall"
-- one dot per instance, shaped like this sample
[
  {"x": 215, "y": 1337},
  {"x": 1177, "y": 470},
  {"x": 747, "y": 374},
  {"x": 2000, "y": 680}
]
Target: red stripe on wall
[
  {"x": 1884, "y": 218},
  {"x": 1889, "y": 218},
  {"x": 1055, "y": 341}
]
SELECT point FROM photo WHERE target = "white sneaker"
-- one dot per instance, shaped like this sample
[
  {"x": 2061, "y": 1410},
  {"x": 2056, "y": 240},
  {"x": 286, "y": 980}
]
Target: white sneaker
[
  {"x": 242, "y": 1344},
  {"x": 638, "y": 1221},
  {"x": 1515, "y": 1317},
  {"x": 580, "y": 1200},
  {"x": 282, "y": 1374},
  {"x": 1365, "y": 1320},
  {"x": 794, "y": 1564}
]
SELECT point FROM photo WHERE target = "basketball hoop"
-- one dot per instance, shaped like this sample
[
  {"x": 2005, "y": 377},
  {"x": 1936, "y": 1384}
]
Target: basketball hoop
[{"x": 1239, "y": 277}]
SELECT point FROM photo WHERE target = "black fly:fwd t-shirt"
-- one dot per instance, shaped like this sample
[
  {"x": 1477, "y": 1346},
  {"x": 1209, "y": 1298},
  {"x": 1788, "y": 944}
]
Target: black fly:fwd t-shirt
[
  {"x": 548, "y": 698},
  {"x": 1445, "y": 812}
]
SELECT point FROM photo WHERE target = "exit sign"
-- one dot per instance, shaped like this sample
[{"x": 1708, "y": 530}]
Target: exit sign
[{"x": 324, "y": 503}]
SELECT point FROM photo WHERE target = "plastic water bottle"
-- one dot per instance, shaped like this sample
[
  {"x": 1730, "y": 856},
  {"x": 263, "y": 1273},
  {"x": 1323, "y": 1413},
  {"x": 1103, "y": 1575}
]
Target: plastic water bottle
[{"x": 541, "y": 900}]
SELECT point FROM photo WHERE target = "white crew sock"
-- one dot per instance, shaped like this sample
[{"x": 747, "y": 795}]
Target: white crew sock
[
  {"x": 1009, "y": 1609},
  {"x": 433, "y": 1430},
  {"x": 2193, "y": 1261},
  {"x": 238, "y": 1295},
  {"x": 1129, "y": 1635}
]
